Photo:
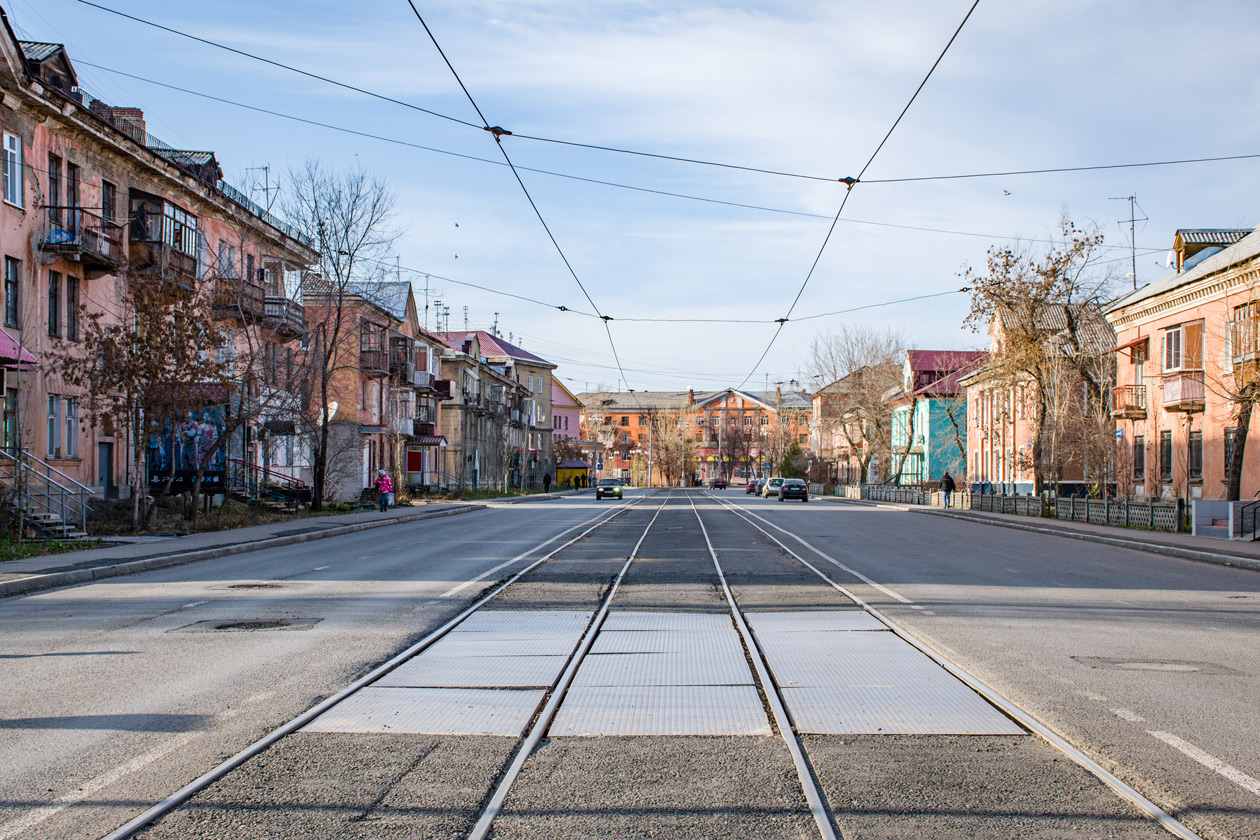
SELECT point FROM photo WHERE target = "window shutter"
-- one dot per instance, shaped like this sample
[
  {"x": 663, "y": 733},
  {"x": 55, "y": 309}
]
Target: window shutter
[{"x": 1192, "y": 349}]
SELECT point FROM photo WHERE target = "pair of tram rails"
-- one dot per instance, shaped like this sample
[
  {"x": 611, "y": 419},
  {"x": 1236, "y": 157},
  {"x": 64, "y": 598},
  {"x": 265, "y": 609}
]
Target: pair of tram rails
[{"x": 553, "y": 697}]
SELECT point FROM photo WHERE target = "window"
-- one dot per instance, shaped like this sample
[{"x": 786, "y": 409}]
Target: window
[
  {"x": 72, "y": 428},
  {"x": 1196, "y": 454},
  {"x": 804, "y": 438},
  {"x": 765, "y": 421},
  {"x": 531, "y": 387},
  {"x": 12, "y": 292},
  {"x": 1229, "y": 447},
  {"x": 72, "y": 307},
  {"x": 54, "y": 189},
  {"x": 1139, "y": 456},
  {"x": 13, "y": 169},
  {"x": 54, "y": 426},
  {"x": 699, "y": 421},
  {"x": 642, "y": 419},
  {"x": 10, "y": 420},
  {"x": 747, "y": 421},
  {"x": 250, "y": 274},
  {"x": 715, "y": 421},
  {"x": 625, "y": 419},
  {"x": 72, "y": 188},
  {"x": 1183, "y": 347},
  {"x": 54, "y": 303},
  {"x": 1165, "y": 456},
  {"x": 109, "y": 200}
]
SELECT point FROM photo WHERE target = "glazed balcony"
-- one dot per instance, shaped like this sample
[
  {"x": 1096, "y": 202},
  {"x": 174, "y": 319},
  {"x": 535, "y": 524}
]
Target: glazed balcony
[
  {"x": 91, "y": 240},
  {"x": 160, "y": 245},
  {"x": 1128, "y": 402},
  {"x": 1184, "y": 391}
]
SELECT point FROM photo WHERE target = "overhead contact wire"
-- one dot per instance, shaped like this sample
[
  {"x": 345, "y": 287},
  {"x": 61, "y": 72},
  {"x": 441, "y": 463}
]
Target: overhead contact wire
[{"x": 851, "y": 182}]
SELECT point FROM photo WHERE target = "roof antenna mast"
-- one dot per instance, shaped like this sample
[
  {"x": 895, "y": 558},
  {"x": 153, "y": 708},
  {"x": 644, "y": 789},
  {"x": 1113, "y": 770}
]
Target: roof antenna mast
[{"x": 1132, "y": 220}]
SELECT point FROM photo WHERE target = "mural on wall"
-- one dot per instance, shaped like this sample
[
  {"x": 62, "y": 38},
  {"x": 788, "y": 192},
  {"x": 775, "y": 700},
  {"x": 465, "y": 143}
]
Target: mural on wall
[{"x": 183, "y": 444}]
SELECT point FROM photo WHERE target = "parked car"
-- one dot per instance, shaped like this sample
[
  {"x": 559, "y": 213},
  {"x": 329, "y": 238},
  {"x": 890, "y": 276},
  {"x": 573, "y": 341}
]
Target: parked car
[
  {"x": 794, "y": 488},
  {"x": 771, "y": 487},
  {"x": 608, "y": 487},
  {"x": 718, "y": 483},
  {"x": 754, "y": 485}
]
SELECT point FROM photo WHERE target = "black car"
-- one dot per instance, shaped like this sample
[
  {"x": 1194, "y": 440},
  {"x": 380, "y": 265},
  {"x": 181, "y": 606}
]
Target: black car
[
  {"x": 718, "y": 483},
  {"x": 794, "y": 488}
]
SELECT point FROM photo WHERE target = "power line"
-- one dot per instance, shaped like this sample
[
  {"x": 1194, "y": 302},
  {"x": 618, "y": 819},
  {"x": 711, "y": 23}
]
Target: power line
[
  {"x": 1061, "y": 169},
  {"x": 851, "y": 181},
  {"x": 498, "y": 134},
  {"x": 279, "y": 64}
]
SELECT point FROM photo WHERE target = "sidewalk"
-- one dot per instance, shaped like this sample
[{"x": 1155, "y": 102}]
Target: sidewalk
[
  {"x": 1244, "y": 555},
  {"x": 73, "y": 567}
]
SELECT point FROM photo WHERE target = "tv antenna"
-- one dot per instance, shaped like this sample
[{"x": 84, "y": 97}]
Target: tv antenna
[
  {"x": 267, "y": 188},
  {"x": 1132, "y": 220}
]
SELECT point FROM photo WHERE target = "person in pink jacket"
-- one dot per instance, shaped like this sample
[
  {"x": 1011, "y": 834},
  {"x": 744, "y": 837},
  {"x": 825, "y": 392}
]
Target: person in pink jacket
[{"x": 384, "y": 489}]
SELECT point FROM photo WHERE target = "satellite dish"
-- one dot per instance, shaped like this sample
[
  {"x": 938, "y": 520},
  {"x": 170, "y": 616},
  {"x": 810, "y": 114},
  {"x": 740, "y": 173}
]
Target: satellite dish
[{"x": 332, "y": 410}]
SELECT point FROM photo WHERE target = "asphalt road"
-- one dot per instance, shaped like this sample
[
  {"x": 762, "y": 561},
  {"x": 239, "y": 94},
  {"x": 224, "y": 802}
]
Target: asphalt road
[{"x": 118, "y": 693}]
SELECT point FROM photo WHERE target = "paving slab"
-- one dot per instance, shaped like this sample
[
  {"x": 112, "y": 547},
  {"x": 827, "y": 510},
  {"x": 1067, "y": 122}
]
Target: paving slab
[
  {"x": 683, "y": 788},
  {"x": 351, "y": 787},
  {"x": 894, "y": 787}
]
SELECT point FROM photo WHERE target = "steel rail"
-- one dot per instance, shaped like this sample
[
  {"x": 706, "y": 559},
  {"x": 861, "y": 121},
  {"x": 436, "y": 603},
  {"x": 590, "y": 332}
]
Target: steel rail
[
  {"x": 481, "y": 829},
  {"x": 809, "y": 784},
  {"x": 156, "y": 812},
  {"x": 1000, "y": 702}
]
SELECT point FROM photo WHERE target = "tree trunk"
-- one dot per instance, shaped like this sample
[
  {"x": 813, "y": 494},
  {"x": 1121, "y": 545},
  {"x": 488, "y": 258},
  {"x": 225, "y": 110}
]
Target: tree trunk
[{"x": 1233, "y": 475}]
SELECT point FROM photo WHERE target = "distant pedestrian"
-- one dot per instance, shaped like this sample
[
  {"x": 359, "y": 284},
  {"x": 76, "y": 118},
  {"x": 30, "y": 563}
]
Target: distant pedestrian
[
  {"x": 384, "y": 490},
  {"x": 546, "y": 482},
  {"x": 947, "y": 484}
]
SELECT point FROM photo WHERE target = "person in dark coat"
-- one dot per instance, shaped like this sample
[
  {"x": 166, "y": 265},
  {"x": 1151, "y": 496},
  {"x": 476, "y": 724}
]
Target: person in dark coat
[
  {"x": 546, "y": 482},
  {"x": 947, "y": 484}
]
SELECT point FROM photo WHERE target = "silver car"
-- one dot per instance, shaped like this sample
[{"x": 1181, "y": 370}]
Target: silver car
[{"x": 771, "y": 488}]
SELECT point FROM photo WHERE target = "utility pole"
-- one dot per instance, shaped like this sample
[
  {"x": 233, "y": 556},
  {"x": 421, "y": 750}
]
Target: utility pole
[
  {"x": 426, "y": 303},
  {"x": 1132, "y": 220}
]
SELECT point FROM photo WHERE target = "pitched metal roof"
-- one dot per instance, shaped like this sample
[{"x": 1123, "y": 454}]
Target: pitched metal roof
[
  {"x": 624, "y": 402},
  {"x": 493, "y": 346},
  {"x": 1212, "y": 236},
  {"x": 38, "y": 50},
  {"x": 1245, "y": 248},
  {"x": 390, "y": 296}
]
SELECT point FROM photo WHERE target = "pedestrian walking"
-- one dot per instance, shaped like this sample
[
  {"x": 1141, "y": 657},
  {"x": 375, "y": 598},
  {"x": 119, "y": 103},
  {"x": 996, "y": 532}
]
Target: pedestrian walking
[
  {"x": 546, "y": 482},
  {"x": 384, "y": 490},
  {"x": 947, "y": 484}
]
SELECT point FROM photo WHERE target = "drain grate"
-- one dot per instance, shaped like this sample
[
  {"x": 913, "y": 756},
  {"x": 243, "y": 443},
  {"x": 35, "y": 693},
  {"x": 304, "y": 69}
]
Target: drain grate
[{"x": 257, "y": 586}]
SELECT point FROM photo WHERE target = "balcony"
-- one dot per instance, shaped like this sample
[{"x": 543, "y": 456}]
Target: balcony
[
  {"x": 161, "y": 246},
  {"x": 443, "y": 388},
  {"x": 423, "y": 380},
  {"x": 236, "y": 298},
  {"x": 420, "y": 428},
  {"x": 374, "y": 361},
  {"x": 1128, "y": 402},
  {"x": 1183, "y": 391},
  {"x": 1244, "y": 342},
  {"x": 92, "y": 241},
  {"x": 286, "y": 317}
]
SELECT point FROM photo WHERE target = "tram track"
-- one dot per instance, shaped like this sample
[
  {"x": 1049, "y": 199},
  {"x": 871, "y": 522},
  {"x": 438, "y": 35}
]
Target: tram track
[
  {"x": 1022, "y": 718},
  {"x": 155, "y": 813}
]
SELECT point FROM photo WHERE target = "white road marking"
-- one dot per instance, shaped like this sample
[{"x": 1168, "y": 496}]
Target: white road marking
[
  {"x": 833, "y": 561},
  {"x": 916, "y": 607},
  {"x": 193, "y": 604},
  {"x": 1209, "y": 761},
  {"x": 1125, "y": 714},
  {"x": 88, "y": 788},
  {"x": 320, "y": 568}
]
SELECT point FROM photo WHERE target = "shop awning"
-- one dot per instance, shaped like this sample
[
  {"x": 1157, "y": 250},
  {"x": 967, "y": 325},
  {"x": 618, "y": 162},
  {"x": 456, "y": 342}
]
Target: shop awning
[
  {"x": 426, "y": 440},
  {"x": 1141, "y": 339},
  {"x": 13, "y": 355}
]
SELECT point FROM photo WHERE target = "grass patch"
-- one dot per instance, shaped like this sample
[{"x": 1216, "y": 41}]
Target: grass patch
[{"x": 10, "y": 550}]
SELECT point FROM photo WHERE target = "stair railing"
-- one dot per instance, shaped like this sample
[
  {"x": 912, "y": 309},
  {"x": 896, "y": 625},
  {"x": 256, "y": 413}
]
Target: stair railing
[{"x": 37, "y": 491}]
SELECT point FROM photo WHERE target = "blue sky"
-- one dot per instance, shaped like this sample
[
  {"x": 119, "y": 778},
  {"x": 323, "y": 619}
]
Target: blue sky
[{"x": 802, "y": 87}]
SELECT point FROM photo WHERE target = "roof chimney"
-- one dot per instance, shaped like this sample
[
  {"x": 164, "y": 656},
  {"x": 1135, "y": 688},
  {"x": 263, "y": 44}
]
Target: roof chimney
[
  {"x": 691, "y": 396},
  {"x": 130, "y": 121}
]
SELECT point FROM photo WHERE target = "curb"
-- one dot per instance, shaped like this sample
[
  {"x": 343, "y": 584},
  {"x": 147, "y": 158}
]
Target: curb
[
  {"x": 1152, "y": 548},
  {"x": 50, "y": 581}
]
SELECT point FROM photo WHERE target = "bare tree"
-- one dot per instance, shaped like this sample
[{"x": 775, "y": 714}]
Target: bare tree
[
  {"x": 1044, "y": 309},
  {"x": 350, "y": 216},
  {"x": 858, "y": 365},
  {"x": 672, "y": 446}
]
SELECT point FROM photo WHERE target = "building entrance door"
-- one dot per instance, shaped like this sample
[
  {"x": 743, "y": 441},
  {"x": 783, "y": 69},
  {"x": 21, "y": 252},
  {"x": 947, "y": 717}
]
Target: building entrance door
[{"x": 105, "y": 469}]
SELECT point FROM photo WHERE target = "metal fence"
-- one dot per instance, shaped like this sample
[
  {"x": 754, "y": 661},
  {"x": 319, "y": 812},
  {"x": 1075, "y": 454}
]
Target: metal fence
[{"x": 1156, "y": 516}]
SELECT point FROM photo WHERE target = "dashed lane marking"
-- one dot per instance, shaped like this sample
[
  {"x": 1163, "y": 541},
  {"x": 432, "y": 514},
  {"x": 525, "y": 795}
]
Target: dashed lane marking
[
  {"x": 1209, "y": 761},
  {"x": 1125, "y": 714}
]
